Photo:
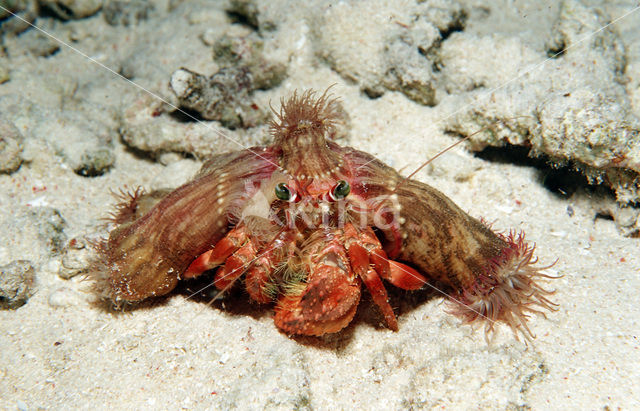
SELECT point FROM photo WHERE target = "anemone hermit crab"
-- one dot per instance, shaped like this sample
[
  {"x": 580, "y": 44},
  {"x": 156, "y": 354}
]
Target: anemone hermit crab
[{"x": 305, "y": 222}]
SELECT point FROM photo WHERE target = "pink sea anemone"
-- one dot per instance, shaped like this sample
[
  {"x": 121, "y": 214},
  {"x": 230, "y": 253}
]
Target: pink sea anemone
[{"x": 508, "y": 291}]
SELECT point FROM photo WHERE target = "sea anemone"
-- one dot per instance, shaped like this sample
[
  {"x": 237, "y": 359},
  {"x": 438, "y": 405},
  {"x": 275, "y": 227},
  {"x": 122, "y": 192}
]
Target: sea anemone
[{"x": 507, "y": 291}]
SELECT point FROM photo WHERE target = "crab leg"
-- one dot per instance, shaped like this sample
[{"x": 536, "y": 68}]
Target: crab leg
[
  {"x": 359, "y": 258},
  {"x": 259, "y": 275},
  {"x": 218, "y": 254},
  {"x": 235, "y": 266},
  {"x": 405, "y": 277},
  {"x": 396, "y": 273}
]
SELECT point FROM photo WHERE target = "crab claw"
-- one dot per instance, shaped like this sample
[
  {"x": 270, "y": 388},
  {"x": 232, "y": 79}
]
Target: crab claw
[
  {"x": 359, "y": 258},
  {"x": 258, "y": 277},
  {"x": 405, "y": 277},
  {"x": 218, "y": 254},
  {"x": 235, "y": 266},
  {"x": 327, "y": 304}
]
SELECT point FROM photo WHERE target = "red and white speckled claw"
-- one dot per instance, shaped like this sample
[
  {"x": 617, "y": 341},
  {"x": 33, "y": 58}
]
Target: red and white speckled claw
[
  {"x": 360, "y": 264},
  {"x": 327, "y": 304},
  {"x": 218, "y": 254}
]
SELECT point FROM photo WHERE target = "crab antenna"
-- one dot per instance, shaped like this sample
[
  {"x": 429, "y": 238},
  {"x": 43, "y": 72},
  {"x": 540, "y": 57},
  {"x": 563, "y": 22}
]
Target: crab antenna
[{"x": 450, "y": 147}]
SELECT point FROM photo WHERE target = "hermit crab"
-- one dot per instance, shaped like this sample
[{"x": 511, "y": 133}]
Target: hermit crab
[{"x": 304, "y": 223}]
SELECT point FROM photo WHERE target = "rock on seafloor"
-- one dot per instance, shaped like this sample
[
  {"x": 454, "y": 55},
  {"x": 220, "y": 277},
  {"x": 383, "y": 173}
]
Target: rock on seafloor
[
  {"x": 34, "y": 233},
  {"x": 126, "y": 12},
  {"x": 77, "y": 258},
  {"x": 389, "y": 45},
  {"x": 571, "y": 97},
  {"x": 10, "y": 146},
  {"x": 225, "y": 95},
  {"x": 80, "y": 134},
  {"x": 573, "y": 108},
  {"x": 72, "y": 9},
  {"x": 17, "y": 283}
]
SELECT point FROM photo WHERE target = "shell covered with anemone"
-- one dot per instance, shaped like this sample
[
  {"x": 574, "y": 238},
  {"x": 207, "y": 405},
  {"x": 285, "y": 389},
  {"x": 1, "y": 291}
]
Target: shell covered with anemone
[{"x": 308, "y": 226}]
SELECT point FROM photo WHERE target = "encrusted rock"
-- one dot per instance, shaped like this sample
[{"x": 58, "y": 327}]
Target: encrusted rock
[
  {"x": 72, "y": 9},
  {"x": 10, "y": 146},
  {"x": 222, "y": 97},
  {"x": 50, "y": 227},
  {"x": 126, "y": 12},
  {"x": 571, "y": 109},
  {"x": 32, "y": 42},
  {"x": 247, "y": 51},
  {"x": 25, "y": 10},
  {"x": 38, "y": 44},
  {"x": 87, "y": 147},
  {"x": 226, "y": 95},
  {"x": 385, "y": 47},
  {"x": 409, "y": 72},
  {"x": 17, "y": 284},
  {"x": 32, "y": 232},
  {"x": 87, "y": 144},
  {"x": 77, "y": 257},
  {"x": 147, "y": 127},
  {"x": 626, "y": 217}
]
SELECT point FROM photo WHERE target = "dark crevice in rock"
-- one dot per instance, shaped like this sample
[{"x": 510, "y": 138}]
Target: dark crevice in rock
[
  {"x": 557, "y": 50},
  {"x": 138, "y": 152},
  {"x": 563, "y": 181},
  {"x": 58, "y": 11},
  {"x": 186, "y": 115},
  {"x": 604, "y": 216},
  {"x": 242, "y": 19},
  {"x": 458, "y": 24},
  {"x": 373, "y": 94}
]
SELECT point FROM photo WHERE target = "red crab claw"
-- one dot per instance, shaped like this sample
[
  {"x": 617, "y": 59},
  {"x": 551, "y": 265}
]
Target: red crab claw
[
  {"x": 398, "y": 274},
  {"x": 404, "y": 277},
  {"x": 235, "y": 266},
  {"x": 359, "y": 259},
  {"x": 259, "y": 275},
  {"x": 329, "y": 299},
  {"x": 370, "y": 262},
  {"x": 218, "y": 254},
  {"x": 326, "y": 305}
]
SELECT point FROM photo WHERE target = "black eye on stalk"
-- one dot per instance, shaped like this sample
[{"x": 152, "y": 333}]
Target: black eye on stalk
[
  {"x": 284, "y": 193},
  {"x": 340, "y": 190}
]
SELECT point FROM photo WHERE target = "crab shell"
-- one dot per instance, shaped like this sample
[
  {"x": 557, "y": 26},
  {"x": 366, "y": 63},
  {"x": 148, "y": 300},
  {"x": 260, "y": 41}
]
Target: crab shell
[{"x": 311, "y": 255}]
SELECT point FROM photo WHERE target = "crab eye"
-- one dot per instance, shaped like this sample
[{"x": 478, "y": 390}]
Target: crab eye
[
  {"x": 284, "y": 193},
  {"x": 340, "y": 190}
]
